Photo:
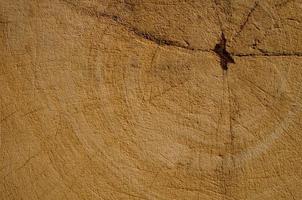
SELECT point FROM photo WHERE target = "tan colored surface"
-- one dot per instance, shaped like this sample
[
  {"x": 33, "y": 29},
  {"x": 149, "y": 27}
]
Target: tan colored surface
[{"x": 108, "y": 99}]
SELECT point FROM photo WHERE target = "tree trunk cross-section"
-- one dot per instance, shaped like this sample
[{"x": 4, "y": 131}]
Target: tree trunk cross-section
[{"x": 151, "y": 99}]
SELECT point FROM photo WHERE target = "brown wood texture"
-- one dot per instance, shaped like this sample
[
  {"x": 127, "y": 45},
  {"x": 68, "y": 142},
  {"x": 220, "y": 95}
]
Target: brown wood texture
[{"x": 151, "y": 99}]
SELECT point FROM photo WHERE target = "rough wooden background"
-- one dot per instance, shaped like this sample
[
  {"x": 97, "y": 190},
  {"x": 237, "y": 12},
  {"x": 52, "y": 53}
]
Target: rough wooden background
[{"x": 150, "y": 99}]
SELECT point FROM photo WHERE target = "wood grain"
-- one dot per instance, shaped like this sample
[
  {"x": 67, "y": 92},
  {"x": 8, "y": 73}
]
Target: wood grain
[{"x": 108, "y": 99}]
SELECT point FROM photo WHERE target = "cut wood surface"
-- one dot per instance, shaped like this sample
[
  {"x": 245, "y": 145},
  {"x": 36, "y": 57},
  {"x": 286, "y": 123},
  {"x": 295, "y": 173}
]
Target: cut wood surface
[{"x": 151, "y": 99}]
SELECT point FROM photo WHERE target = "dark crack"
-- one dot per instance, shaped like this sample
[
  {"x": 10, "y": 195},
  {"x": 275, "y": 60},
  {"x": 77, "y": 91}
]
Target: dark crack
[
  {"x": 224, "y": 55},
  {"x": 219, "y": 49},
  {"x": 268, "y": 54},
  {"x": 139, "y": 33},
  {"x": 247, "y": 19}
]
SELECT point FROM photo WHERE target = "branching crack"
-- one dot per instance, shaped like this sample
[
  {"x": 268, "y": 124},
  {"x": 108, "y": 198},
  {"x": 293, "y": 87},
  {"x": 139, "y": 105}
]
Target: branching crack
[
  {"x": 139, "y": 33},
  {"x": 219, "y": 49},
  {"x": 225, "y": 59},
  {"x": 224, "y": 55}
]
